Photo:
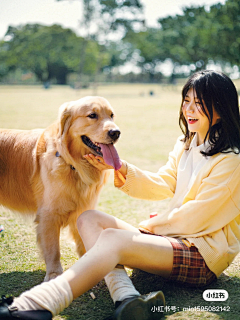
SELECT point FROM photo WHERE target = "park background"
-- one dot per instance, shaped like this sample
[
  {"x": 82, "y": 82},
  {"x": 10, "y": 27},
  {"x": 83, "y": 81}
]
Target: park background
[{"x": 113, "y": 49}]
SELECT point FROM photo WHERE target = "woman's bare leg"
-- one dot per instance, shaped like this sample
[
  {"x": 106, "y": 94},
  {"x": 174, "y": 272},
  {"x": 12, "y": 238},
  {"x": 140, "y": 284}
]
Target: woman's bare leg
[
  {"x": 109, "y": 246},
  {"x": 92, "y": 222},
  {"x": 111, "y": 241}
]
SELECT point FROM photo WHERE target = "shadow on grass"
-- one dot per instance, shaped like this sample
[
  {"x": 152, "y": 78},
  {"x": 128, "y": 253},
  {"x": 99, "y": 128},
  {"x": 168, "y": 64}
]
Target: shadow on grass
[
  {"x": 84, "y": 307},
  {"x": 177, "y": 296},
  {"x": 14, "y": 283}
]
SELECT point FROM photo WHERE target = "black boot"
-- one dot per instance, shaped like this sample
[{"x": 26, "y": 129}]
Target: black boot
[
  {"x": 140, "y": 307},
  {"x": 7, "y": 312}
]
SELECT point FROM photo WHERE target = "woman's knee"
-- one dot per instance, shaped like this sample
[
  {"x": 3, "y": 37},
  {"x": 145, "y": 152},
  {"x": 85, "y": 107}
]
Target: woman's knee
[
  {"x": 87, "y": 218},
  {"x": 114, "y": 238},
  {"x": 95, "y": 219}
]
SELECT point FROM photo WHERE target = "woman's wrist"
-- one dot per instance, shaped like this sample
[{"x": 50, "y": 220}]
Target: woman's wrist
[
  {"x": 120, "y": 175},
  {"x": 123, "y": 170}
]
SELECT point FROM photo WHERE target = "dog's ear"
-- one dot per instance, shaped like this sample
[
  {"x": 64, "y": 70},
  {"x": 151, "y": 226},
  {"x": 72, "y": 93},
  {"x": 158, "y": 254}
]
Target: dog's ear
[{"x": 64, "y": 118}]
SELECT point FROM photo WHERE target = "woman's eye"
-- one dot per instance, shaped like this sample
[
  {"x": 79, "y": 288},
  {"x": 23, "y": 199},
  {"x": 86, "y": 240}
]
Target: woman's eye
[
  {"x": 92, "y": 116},
  {"x": 198, "y": 105}
]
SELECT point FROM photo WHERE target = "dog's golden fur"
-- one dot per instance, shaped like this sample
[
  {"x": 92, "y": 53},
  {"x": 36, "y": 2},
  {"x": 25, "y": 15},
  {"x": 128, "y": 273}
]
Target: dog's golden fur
[{"x": 43, "y": 172}]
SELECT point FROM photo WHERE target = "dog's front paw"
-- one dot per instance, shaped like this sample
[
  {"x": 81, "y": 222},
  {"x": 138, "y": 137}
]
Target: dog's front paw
[{"x": 51, "y": 275}]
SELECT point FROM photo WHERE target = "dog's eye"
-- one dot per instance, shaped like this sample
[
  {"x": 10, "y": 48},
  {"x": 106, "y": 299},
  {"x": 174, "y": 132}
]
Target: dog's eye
[
  {"x": 93, "y": 115},
  {"x": 112, "y": 115}
]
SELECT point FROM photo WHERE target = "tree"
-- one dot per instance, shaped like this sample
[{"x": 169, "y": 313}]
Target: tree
[
  {"x": 186, "y": 36},
  {"x": 103, "y": 18},
  {"x": 193, "y": 38},
  {"x": 227, "y": 30},
  {"x": 107, "y": 21},
  {"x": 49, "y": 52},
  {"x": 147, "y": 49},
  {"x": 4, "y": 68},
  {"x": 180, "y": 38}
]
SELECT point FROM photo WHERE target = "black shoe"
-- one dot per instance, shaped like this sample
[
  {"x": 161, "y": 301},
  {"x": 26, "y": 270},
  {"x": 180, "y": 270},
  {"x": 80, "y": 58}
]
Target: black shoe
[
  {"x": 7, "y": 312},
  {"x": 140, "y": 307}
]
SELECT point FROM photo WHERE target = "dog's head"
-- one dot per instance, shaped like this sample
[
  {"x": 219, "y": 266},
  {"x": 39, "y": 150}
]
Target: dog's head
[{"x": 87, "y": 126}]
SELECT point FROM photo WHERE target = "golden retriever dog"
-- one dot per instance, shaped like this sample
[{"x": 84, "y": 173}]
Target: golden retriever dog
[{"x": 43, "y": 171}]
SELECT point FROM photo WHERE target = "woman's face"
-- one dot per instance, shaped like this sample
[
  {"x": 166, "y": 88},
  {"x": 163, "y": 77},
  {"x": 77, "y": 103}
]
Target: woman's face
[{"x": 196, "y": 119}]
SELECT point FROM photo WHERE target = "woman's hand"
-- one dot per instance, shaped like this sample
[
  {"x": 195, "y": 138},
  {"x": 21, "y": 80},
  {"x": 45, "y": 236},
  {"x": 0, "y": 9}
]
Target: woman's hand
[
  {"x": 100, "y": 164},
  {"x": 97, "y": 162}
]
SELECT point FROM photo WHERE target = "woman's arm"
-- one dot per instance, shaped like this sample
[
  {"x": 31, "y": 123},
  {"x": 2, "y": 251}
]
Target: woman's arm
[
  {"x": 138, "y": 183},
  {"x": 209, "y": 206},
  {"x": 143, "y": 184},
  {"x": 151, "y": 186}
]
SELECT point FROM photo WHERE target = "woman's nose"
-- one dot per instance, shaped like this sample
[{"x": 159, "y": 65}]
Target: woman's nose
[{"x": 190, "y": 107}]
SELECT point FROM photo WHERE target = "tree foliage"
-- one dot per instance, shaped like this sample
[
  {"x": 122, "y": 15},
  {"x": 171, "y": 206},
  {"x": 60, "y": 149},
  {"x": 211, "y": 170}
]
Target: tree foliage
[
  {"x": 193, "y": 38},
  {"x": 226, "y": 22},
  {"x": 107, "y": 21},
  {"x": 102, "y": 19},
  {"x": 48, "y": 52}
]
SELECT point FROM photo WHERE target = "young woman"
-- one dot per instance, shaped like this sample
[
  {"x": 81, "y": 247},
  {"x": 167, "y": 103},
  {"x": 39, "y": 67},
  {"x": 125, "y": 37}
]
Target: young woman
[{"x": 193, "y": 242}]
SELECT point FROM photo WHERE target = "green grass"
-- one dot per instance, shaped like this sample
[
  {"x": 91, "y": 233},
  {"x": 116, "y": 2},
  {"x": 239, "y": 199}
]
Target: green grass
[{"x": 149, "y": 126}]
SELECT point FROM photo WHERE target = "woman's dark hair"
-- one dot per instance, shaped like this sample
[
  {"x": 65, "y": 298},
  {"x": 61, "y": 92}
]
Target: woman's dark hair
[{"x": 215, "y": 90}]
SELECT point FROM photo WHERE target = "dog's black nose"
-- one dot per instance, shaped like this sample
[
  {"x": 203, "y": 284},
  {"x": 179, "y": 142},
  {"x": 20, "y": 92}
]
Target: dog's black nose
[{"x": 114, "y": 134}]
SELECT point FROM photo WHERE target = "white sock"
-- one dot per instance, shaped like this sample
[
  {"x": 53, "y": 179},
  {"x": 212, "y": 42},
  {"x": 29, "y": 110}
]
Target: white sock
[
  {"x": 119, "y": 285},
  {"x": 53, "y": 296}
]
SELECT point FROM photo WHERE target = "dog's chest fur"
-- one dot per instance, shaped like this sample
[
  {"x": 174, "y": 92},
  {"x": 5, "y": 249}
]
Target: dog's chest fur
[{"x": 68, "y": 190}]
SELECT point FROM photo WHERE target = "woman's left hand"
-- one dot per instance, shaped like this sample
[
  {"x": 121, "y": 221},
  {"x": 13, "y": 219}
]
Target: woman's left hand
[{"x": 97, "y": 162}]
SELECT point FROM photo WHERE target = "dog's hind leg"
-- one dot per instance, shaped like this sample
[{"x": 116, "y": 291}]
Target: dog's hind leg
[
  {"x": 76, "y": 237},
  {"x": 48, "y": 234}
]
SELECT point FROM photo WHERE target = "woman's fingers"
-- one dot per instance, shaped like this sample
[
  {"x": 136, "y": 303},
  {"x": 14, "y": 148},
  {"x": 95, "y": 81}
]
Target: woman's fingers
[{"x": 97, "y": 162}]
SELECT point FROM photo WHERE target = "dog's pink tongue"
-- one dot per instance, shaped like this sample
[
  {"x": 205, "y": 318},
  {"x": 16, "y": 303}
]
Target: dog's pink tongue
[{"x": 110, "y": 155}]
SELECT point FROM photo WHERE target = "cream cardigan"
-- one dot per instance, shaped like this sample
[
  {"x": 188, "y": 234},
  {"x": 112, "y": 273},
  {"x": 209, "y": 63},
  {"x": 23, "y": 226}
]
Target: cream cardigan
[{"x": 209, "y": 216}]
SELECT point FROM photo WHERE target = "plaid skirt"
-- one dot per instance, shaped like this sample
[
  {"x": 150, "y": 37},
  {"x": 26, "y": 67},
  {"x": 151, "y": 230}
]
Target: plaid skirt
[{"x": 189, "y": 267}]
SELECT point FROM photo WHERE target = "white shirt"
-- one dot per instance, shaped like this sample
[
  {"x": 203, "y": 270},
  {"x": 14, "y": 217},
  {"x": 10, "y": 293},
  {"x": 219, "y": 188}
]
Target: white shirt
[{"x": 190, "y": 164}]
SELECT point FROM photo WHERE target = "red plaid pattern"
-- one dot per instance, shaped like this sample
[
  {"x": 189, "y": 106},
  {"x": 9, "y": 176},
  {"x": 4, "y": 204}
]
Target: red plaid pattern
[{"x": 189, "y": 266}]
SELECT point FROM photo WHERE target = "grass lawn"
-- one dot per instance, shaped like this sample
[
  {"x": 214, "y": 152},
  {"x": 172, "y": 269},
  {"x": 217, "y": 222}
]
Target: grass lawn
[{"x": 149, "y": 126}]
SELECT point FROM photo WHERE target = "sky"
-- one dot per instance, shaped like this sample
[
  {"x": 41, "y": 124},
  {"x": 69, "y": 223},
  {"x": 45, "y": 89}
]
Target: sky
[{"x": 68, "y": 12}]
